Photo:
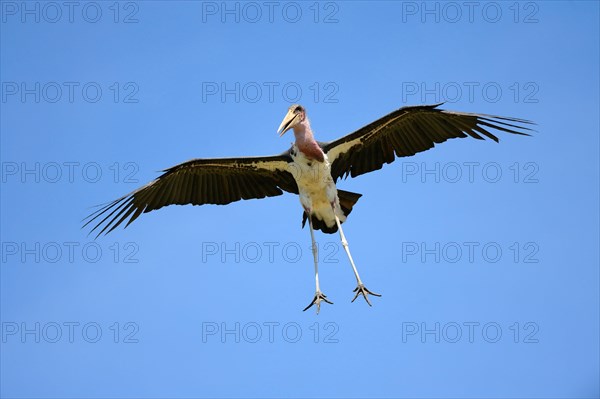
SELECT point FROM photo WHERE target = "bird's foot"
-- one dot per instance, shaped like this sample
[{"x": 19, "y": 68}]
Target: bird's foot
[
  {"x": 319, "y": 296},
  {"x": 361, "y": 289}
]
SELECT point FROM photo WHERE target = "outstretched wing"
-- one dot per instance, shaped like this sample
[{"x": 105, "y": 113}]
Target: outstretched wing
[
  {"x": 407, "y": 131},
  {"x": 200, "y": 181}
]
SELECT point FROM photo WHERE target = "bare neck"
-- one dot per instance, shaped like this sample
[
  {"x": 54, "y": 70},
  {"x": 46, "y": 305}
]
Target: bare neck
[
  {"x": 303, "y": 133},
  {"x": 306, "y": 141}
]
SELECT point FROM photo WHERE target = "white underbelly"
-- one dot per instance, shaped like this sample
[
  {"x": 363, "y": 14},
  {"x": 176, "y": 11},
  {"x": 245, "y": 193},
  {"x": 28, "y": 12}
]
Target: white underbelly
[{"x": 316, "y": 187}]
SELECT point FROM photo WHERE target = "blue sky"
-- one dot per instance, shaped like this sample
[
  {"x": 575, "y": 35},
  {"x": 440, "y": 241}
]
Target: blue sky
[{"x": 486, "y": 254}]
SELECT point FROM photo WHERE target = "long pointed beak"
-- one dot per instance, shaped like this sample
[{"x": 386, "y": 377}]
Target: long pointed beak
[{"x": 286, "y": 124}]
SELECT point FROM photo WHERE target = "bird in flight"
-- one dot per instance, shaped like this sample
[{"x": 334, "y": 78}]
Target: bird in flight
[{"x": 310, "y": 169}]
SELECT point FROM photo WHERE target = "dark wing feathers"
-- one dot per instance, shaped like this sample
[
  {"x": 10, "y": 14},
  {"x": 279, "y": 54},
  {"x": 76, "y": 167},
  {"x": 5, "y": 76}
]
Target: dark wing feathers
[
  {"x": 200, "y": 181},
  {"x": 402, "y": 133},
  {"x": 408, "y": 131}
]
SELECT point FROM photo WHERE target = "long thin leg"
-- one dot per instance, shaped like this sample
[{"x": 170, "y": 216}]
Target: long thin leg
[
  {"x": 360, "y": 289},
  {"x": 347, "y": 248},
  {"x": 315, "y": 252},
  {"x": 319, "y": 296}
]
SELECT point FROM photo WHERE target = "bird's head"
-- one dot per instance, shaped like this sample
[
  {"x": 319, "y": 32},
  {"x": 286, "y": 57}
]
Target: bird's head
[{"x": 296, "y": 114}]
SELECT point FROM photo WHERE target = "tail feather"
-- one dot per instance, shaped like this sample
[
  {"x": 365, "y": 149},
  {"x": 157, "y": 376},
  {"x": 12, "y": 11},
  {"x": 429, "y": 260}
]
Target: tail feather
[{"x": 347, "y": 201}]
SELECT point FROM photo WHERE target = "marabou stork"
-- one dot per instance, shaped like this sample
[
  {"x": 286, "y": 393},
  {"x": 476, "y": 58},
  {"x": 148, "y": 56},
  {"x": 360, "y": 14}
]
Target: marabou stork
[{"x": 309, "y": 168}]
